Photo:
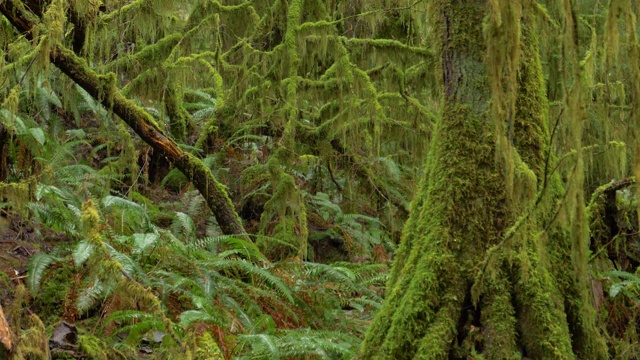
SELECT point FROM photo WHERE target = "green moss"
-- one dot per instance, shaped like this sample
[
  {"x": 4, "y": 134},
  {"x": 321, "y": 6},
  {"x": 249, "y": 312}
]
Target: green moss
[
  {"x": 95, "y": 348},
  {"x": 487, "y": 201},
  {"x": 284, "y": 217},
  {"x": 178, "y": 115},
  {"x": 91, "y": 221},
  {"x": 147, "y": 57},
  {"x": 32, "y": 343},
  {"x": 19, "y": 194},
  {"x": 207, "y": 348},
  {"x": 5, "y": 283},
  {"x": 53, "y": 291}
]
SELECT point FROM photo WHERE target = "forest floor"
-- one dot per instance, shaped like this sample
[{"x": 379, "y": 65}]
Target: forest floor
[{"x": 19, "y": 241}]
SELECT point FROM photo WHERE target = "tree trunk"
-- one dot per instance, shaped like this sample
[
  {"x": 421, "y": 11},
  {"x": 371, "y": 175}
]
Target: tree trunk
[
  {"x": 102, "y": 88},
  {"x": 485, "y": 267},
  {"x": 4, "y": 149}
]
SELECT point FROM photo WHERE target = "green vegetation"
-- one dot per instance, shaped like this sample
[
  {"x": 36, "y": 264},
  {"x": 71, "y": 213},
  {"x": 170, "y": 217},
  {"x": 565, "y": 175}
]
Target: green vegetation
[{"x": 390, "y": 179}]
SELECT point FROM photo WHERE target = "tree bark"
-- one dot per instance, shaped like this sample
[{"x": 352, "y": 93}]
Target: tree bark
[{"x": 103, "y": 89}]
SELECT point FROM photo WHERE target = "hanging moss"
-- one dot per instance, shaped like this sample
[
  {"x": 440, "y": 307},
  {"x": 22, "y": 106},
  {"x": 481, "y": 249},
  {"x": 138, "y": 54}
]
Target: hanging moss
[
  {"x": 19, "y": 194},
  {"x": 179, "y": 117},
  {"x": 284, "y": 217},
  {"x": 521, "y": 303}
]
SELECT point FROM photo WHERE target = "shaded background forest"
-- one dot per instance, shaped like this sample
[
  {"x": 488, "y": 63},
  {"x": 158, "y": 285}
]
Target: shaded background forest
[{"x": 316, "y": 117}]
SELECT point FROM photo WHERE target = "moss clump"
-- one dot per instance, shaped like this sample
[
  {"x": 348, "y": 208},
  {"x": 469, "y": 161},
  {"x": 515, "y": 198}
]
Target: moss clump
[
  {"x": 5, "y": 283},
  {"x": 49, "y": 301},
  {"x": 33, "y": 343},
  {"x": 95, "y": 348},
  {"x": 207, "y": 348}
]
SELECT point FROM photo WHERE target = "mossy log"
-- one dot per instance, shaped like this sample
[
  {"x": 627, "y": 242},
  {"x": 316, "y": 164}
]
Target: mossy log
[
  {"x": 103, "y": 89},
  {"x": 485, "y": 269}
]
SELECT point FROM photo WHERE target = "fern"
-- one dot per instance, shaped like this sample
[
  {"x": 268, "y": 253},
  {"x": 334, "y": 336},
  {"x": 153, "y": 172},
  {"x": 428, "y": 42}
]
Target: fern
[
  {"x": 330, "y": 273},
  {"x": 241, "y": 247},
  {"x": 254, "y": 272},
  {"x": 90, "y": 295},
  {"x": 625, "y": 283},
  {"x": 299, "y": 343},
  {"x": 183, "y": 225},
  {"x": 56, "y": 217},
  {"x": 233, "y": 287},
  {"x": 143, "y": 241},
  {"x": 89, "y": 104},
  {"x": 130, "y": 213},
  {"x": 36, "y": 267},
  {"x": 174, "y": 178},
  {"x": 82, "y": 252},
  {"x": 190, "y": 316},
  {"x": 139, "y": 323},
  {"x": 130, "y": 266},
  {"x": 353, "y": 285}
]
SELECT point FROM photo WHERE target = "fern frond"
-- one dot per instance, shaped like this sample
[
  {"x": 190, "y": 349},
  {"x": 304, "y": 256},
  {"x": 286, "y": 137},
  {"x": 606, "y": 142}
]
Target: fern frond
[
  {"x": 129, "y": 266},
  {"x": 329, "y": 273},
  {"x": 239, "y": 246},
  {"x": 43, "y": 190},
  {"x": 58, "y": 218},
  {"x": 204, "y": 96},
  {"x": 183, "y": 225},
  {"x": 322, "y": 201},
  {"x": 139, "y": 323},
  {"x": 120, "y": 203},
  {"x": 363, "y": 301},
  {"x": 300, "y": 343},
  {"x": 175, "y": 177},
  {"x": 263, "y": 346},
  {"x": 36, "y": 268},
  {"x": 143, "y": 241},
  {"x": 196, "y": 205},
  {"x": 190, "y": 316},
  {"x": 133, "y": 213},
  {"x": 256, "y": 273},
  {"x": 84, "y": 249},
  {"x": 391, "y": 167},
  {"x": 89, "y": 295},
  {"x": 204, "y": 114}
]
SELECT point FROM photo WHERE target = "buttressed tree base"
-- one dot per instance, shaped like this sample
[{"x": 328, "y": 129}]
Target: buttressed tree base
[{"x": 493, "y": 257}]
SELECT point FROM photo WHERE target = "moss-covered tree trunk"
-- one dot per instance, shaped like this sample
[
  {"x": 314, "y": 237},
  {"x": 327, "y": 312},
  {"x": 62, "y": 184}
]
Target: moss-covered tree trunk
[
  {"x": 4, "y": 149},
  {"x": 488, "y": 264},
  {"x": 103, "y": 89}
]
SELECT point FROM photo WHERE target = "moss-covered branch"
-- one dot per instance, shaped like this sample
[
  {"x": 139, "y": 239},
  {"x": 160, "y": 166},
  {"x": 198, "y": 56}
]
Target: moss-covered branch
[{"x": 103, "y": 88}]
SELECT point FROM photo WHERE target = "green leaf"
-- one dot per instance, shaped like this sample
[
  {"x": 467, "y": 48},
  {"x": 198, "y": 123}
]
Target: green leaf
[
  {"x": 82, "y": 252},
  {"x": 38, "y": 134}
]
